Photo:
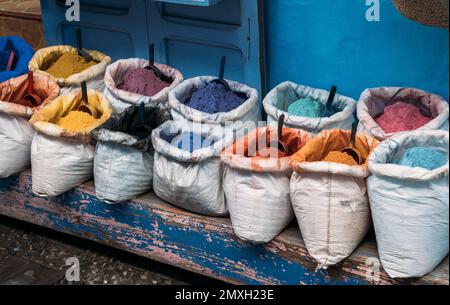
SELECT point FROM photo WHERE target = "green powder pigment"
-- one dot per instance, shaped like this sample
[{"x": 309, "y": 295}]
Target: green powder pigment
[{"x": 307, "y": 107}]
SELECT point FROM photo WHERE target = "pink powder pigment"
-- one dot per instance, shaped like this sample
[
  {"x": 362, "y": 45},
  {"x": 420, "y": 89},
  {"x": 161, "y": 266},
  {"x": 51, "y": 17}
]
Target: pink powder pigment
[
  {"x": 143, "y": 82},
  {"x": 401, "y": 117}
]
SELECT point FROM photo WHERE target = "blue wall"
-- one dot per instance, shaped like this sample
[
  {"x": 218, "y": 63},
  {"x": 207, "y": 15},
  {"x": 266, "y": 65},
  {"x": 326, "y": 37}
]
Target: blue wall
[{"x": 325, "y": 42}]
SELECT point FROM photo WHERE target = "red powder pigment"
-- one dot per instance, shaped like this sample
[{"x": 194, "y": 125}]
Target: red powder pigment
[
  {"x": 143, "y": 82},
  {"x": 401, "y": 117}
]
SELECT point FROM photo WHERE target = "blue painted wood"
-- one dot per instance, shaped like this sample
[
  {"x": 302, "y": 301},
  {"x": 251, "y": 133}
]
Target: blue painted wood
[
  {"x": 206, "y": 245},
  {"x": 192, "y": 38},
  {"x": 192, "y": 2}
]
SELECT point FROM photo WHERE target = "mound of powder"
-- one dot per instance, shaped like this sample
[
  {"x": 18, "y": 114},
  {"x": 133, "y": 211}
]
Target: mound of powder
[
  {"x": 423, "y": 157},
  {"x": 142, "y": 81},
  {"x": 69, "y": 64},
  {"x": 214, "y": 98},
  {"x": 340, "y": 157},
  {"x": 77, "y": 121},
  {"x": 307, "y": 107},
  {"x": 401, "y": 117},
  {"x": 190, "y": 141}
]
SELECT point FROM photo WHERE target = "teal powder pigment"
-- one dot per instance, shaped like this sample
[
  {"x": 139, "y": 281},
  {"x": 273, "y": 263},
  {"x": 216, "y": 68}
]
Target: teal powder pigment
[
  {"x": 423, "y": 157},
  {"x": 190, "y": 141},
  {"x": 307, "y": 107}
]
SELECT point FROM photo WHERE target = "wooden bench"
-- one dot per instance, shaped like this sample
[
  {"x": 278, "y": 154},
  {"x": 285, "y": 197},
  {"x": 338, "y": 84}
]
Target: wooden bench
[{"x": 206, "y": 245}]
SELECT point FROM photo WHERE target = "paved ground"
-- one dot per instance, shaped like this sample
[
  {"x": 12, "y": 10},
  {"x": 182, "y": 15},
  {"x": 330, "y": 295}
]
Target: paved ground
[{"x": 35, "y": 255}]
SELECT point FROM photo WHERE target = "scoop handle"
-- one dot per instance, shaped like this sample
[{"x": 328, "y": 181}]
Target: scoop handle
[
  {"x": 280, "y": 126},
  {"x": 151, "y": 54},
  {"x": 30, "y": 82},
  {"x": 353, "y": 135},
  {"x": 79, "y": 40},
  {"x": 333, "y": 91},
  {"x": 84, "y": 94},
  {"x": 222, "y": 67}
]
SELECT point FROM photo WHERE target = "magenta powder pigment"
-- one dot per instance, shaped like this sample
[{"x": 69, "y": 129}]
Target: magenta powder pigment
[
  {"x": 142, "y": 81},
  {"x": 214, "y": 98},
  {"x": 401, "y": 117}
]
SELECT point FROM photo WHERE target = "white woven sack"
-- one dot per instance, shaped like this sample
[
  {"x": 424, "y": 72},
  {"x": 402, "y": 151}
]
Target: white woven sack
[
  {"x": 248, "y": 112},
  {"x": 15, "y": 138},
  {"x": 410, "y": 206},
  {"x": 192, "y": 181},
  {"x": 373, "y": 102},
  {"x": 121, "y": 99},
  {"x": 281, "y": 97},
  {"x": 121, "y": 173},
  {"x": 59, "y": 164}
]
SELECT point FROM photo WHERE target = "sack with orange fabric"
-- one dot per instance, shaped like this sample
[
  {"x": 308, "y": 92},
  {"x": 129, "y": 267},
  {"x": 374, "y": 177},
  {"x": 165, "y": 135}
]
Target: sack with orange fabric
[
  {"x": 62, "y": 151},
  {"x": 19, "y": 98},
  {"x": 256, "y": 182},
  {"x": 329, "y": 195}
]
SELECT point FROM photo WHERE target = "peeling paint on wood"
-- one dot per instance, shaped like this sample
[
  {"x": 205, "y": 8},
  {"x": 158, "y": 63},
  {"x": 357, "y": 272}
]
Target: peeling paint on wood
[{"x": 206, "y": 245}]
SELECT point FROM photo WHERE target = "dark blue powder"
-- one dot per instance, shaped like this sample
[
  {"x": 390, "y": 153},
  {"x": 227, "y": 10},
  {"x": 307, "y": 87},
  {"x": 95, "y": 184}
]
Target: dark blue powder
[
  {"x": 191, "y": 142},
  {"x": 423, "y": 157},
  {"x": 214, "y": 98}
]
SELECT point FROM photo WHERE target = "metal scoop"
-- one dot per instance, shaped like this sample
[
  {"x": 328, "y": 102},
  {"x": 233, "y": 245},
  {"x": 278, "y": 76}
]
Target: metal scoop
[
  {"x": 328, "y": 108},
  {"x": 87, "y": 57},
  {"x": 84, "y": 106},
  {"x": 31, "y": 99},
  {"x": 35, "y": 99},
  {"x": 151, "y": 66},
  {"x": 221, "y": 80},
  {"x": 351, "y": 150}
]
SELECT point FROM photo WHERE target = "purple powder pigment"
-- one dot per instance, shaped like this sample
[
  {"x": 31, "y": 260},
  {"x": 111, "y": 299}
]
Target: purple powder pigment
[
  {"x": 142, "y": 81},
  {"x": 214, "y": 98}
]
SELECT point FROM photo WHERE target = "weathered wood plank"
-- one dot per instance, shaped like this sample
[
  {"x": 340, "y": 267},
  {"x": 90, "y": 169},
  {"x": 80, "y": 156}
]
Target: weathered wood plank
[{"x": 206, "y": 245}]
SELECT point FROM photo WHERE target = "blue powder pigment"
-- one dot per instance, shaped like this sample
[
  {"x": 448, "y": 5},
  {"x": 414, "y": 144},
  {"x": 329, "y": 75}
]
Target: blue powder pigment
[
  {"x": 214, "y": 98},
  {"x": 307, "y": 107},
  {"x": 423, "y": 157},
  {"x": 191, "y": 142}
]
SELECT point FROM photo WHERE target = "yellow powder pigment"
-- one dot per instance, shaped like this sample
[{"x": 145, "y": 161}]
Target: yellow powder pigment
[
  {"x": 69, "y": 64},
  {"x": 77, "y": 121},
  {"x": 340, "y": 157}
]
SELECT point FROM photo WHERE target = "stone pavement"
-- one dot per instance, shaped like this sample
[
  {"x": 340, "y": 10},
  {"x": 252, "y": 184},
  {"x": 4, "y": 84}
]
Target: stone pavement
[{"x": 33, "y": 255}]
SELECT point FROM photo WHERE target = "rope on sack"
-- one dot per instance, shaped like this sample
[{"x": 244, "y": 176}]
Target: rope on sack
[{"x": 428, "y": 12}]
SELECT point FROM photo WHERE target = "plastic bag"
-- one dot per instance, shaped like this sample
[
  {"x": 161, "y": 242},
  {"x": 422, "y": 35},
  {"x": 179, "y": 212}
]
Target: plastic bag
[
  {"x": 23, "y": 52},
  {"x": 281, "y": 97},
  {"x": 410, "y": 206},
  {"x": 249, "y": 111},
  {"x": 330, "y": 199},
  {"x": 257, "y": 188},
  {"x": 192, "y": 181},
  {"x": 15, "y": 132},
  {"x": 123, "y": 163},
  {"x": 93, "y": 76},
  {"x": 121, "y": 99},
  {"x": 62, "y": 159},
  {"x": 373, "y": 102}
]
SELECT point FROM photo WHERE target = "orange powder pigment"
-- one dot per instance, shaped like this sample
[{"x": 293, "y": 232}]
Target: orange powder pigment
[
  {"x": 77, "y": 121},
  {"x": 340, "y": 157},
  {"x": 69, "y": 64}
]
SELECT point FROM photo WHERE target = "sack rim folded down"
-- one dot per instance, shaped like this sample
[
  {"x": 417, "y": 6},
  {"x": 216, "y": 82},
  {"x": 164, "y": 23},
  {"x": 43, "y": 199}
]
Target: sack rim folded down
[
  {"x": 264, "y": 164},
  {"x": 50, "y": 87},
  {"x": 214, "y": 118},
  {"x": 335, "y": 140},
  {"x": 379, "y": 157},
  {"x": 306, "y": 123},
  {"x": 134, "y": 63},
  {"x": 221, "y": 137},
  {"x": 41, "y": 55},
  {"x": 63, "y": 104},
  {"x": 370, "y": 125}
]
